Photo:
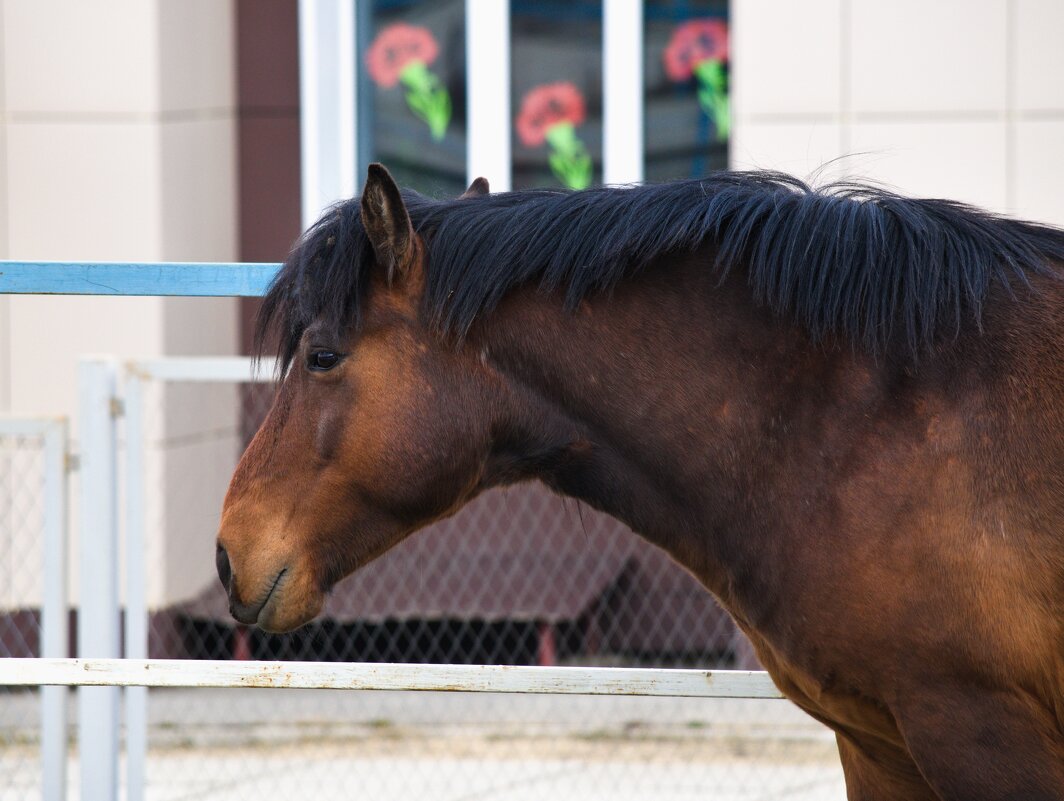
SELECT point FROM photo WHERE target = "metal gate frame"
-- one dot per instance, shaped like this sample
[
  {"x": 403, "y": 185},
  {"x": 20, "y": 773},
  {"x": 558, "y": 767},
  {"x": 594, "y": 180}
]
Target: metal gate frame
[{"x": 54, "y": 638}]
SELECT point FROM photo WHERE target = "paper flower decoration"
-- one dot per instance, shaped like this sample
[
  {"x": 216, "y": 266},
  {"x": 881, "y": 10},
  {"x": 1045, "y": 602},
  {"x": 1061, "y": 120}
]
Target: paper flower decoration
[
  {"x": 402, "y": 53},
  {"x": 699, "y": 48},
  {"x": 550, "y": 113}
]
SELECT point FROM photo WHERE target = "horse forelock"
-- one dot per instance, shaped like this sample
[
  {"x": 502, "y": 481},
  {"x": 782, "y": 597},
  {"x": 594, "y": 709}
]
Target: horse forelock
[{"x": 878, "y": 268}]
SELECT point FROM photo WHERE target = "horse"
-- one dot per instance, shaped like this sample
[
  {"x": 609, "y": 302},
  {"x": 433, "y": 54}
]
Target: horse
[{"x": 841, "y": 409}]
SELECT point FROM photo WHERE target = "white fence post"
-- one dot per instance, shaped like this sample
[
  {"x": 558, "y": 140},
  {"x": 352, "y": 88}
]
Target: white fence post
[
  {"x": 54, "y": 610},
  {"x": 98, "y": 610},
  {"x": 136, "y": 618}
]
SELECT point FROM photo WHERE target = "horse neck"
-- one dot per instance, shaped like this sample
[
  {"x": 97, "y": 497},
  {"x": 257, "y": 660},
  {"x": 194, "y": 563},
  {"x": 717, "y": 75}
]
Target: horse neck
[{"x": 670, "y": 404}]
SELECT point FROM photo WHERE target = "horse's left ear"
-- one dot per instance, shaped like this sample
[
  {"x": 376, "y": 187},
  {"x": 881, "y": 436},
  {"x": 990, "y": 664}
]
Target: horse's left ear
[
  {"x": 476, "y": 189},
  {"x": 387, "y": 222}
]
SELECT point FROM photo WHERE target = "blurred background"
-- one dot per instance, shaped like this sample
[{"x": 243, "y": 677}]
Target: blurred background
[{"x": 216, "y": 130}]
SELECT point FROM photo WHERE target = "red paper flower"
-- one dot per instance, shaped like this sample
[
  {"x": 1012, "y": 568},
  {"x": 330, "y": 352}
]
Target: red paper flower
[
  {"x": 695, "y": 41},
  {"x": 546, "y": 106},
  {"x": 397, "y": 46}
]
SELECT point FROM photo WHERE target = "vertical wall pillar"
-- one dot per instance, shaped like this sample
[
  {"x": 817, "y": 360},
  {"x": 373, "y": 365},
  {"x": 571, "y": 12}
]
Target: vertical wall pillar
[
  {"x": 622, "y": 90},
  {"x": 488, "y": 92},
  {"x": 327, "y": 109}
]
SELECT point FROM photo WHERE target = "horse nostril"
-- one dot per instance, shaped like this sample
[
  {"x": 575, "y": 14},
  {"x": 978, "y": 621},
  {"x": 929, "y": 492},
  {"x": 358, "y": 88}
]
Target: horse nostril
[{"x": 225, "y": 572}]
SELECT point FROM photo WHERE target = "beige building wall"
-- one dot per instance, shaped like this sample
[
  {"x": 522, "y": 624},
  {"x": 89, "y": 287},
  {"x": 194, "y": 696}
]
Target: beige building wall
[
  {"x": 949, "y": 98},
  {"x": 119, "y": 144}
]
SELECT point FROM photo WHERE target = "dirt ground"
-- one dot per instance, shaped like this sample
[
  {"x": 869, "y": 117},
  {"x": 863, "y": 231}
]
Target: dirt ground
[{"x": 211, "y": 745}]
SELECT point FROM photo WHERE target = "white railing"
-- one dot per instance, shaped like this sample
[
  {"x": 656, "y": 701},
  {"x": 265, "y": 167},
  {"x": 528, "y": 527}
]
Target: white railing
[{"x": 386, "y": 676}]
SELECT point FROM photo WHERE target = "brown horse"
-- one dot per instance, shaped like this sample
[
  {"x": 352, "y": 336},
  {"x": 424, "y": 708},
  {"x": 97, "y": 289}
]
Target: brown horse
[{"x": 842, "y": 410}]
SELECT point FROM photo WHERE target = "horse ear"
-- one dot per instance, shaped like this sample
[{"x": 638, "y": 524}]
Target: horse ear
[
  {"x": 386, "y": 221},
  {"x": 476, "y": 189}
]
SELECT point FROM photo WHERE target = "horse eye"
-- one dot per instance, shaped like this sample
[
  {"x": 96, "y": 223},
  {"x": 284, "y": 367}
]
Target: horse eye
[{"x": 323, "y": 360}]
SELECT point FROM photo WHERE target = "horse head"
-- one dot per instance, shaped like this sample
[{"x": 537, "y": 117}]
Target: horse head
[{"x": 344, "y": 466}]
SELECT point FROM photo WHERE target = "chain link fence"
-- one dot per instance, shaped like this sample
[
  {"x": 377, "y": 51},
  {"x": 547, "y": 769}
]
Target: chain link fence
[{"x": 518, "y": 577}]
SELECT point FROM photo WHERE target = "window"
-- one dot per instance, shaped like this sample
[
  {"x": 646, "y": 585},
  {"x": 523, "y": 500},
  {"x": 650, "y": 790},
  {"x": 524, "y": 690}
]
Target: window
[
  {"x": 685, "y": 88},
  {"x": 556, "y": 92},
  {"x": 529, "y": 93},
  {"x": 412, "y": 111}
]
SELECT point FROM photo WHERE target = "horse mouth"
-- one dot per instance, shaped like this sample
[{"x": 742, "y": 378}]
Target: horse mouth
[
  {"x": 270, "y": 596},
  {"x": 253, "y": 614},
  {"x": 291, "y": 602}
]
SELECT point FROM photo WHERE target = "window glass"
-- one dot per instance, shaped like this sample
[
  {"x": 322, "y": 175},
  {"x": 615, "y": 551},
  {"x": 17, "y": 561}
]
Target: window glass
[
  {"x": 687, "y": 118},
  {"x": 412, "y": 92},
  {"x": 556, "y": 92}
]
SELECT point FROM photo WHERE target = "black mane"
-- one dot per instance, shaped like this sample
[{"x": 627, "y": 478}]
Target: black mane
[{"x": 848, "y": 258}]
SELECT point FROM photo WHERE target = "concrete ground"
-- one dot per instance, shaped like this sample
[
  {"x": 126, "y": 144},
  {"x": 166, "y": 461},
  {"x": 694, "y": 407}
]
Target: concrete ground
[{"x": 237, "y": 744}]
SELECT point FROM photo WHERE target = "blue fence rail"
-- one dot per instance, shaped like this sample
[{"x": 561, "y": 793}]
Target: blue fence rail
[{"x": 188, "y": 279}]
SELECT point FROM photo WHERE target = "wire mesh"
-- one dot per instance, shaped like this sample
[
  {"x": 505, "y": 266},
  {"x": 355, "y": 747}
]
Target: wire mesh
[
  {"x": 21, "y": 593},
  {"x": 518, "y": 577}
]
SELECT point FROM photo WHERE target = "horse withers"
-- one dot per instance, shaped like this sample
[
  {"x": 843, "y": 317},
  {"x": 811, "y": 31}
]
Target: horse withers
[{"x": 841, "y": 409}]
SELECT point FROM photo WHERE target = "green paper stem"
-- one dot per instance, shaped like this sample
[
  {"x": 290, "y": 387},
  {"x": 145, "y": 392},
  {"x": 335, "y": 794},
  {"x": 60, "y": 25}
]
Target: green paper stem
[
  {"x": 713, "y": 95},
  {"x": 427, "y": 97},
  {"x": 569, "y": 160}
]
